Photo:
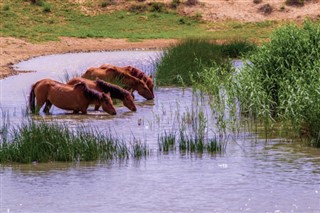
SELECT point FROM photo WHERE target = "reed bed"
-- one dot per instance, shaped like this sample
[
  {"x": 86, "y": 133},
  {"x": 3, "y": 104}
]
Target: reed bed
[
  {"x": 45, "y": 142},
  {"x": 279, "y": 84},
  {"x": 181, "y": 63}
]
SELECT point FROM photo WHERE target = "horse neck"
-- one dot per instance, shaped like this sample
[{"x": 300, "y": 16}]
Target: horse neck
[
  {"x": 131, "y": 81},
  {"x": 115, "y": 91},
  {"x": 91, "y": 95}
]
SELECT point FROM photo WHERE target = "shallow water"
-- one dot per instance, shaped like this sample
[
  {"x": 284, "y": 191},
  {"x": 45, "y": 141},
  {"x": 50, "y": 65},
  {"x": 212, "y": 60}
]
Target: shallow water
[{"x": 251, "y": 176}]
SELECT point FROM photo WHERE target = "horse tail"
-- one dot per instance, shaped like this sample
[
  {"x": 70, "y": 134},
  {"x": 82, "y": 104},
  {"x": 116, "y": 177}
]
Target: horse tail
[{"x": 32, "y": 98}]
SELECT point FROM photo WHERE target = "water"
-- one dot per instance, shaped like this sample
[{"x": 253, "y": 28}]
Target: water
[{"x": 251, "y": 176}]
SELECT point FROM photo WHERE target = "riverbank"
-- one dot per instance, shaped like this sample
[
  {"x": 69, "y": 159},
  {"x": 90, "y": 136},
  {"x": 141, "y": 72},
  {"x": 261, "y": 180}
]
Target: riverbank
[{"x": 13, "y": 50}]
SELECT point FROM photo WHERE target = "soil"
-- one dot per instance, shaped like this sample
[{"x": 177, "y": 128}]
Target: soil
[{"x": 13, "y": 50}]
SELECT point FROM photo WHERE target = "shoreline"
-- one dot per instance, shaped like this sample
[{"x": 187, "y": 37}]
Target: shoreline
[{"x": 13, "y": 50}]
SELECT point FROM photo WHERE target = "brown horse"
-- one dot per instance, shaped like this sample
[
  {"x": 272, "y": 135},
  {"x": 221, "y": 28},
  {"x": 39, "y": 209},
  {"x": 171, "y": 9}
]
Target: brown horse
[
  {"x": 114, "y": 90},
  {"x": 134, "y": 72},
  {"x": 111, "y": 74},
  {"x": 76, "y": 98}
]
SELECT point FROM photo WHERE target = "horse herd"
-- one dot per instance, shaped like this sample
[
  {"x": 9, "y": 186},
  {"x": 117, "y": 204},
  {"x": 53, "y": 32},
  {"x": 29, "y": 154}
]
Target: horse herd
[{"x": 96, "y": 86}]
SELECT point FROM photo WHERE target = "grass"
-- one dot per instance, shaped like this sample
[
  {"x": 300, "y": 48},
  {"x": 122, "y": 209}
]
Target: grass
[
  {"x": 182, "y": 62},
  {"x": 192, "y": 137},
  {"x": 44, "y": 142},
  {"x": 52, "y": 19},
  {"x": 280, "y": 85}
]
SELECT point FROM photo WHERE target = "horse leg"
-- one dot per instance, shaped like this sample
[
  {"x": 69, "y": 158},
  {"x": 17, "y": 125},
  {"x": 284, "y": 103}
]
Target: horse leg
[
  {"x": 39, "y": 104},
  {"x": 96, "y": 107},
  {"x": 47, "y": 107}
]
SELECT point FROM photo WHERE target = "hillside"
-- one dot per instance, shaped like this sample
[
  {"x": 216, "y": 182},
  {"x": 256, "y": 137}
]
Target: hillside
[{"x": 56, "y": 26}]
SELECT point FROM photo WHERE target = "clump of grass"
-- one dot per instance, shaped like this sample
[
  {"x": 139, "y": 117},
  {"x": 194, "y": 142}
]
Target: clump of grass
[
  {"x": 174, "y": 4},
  {"x": 237, "y": 48},
  {"x": 295, "y": 2},
  {"x": 192, "y": 2},
  {"x": 43, "y": 142},
  {"x": 266, "y": 9},
  {"x": 158, "y": 7},
  {"x": 257, "y": 1},
  {"x": 139, "y": 149},
  {"x": 167, "y": 141},
  {"x": 138, "y": 8},
  {"x": 180, "y": 63}
]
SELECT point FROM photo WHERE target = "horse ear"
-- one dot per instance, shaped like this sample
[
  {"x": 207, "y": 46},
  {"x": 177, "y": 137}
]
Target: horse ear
[{"x": 150, "y": 76}]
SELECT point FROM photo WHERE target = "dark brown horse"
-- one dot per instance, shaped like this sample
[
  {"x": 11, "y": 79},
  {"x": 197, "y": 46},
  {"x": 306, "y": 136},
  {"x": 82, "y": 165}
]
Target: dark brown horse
[
  {"x": 134, "y": 72},
  {"x": 111, "y": 74},
  {"x": 114, "y": 90},
  {"x": 68, "y": 97}
]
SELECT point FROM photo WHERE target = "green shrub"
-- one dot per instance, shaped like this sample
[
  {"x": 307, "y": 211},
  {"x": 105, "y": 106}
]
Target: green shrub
[
  {"x": 157, "y": 7},
  {"x": 295, "y": 2},
  {"x": 175, "y": 3}
]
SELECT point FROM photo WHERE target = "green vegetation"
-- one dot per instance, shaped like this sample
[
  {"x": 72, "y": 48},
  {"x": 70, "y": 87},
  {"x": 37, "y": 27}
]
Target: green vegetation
[
  {"x": 49, "y": 20},
  {"x": 181, "y": 63},
  {"x": 283, "y": 82},
  {"x": 192, "y": 136},
  {"x": 279, "y": 85},
  {"x": 44, "y": 142}
]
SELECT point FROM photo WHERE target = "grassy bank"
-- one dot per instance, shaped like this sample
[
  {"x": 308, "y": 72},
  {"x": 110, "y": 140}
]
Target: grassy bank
[{"x": 50, "y": 19}]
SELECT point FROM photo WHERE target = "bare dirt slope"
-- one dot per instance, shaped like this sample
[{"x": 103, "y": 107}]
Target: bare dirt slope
[{"x": 13, "y": 50}]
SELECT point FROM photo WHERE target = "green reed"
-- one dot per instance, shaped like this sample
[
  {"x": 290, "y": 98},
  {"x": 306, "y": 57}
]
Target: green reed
[
  {"x": 167, "y": 141},
  {"x": 183, "y": 61},
  {"x": 44, "y": 142},
  {"x": 192, "y": 136},
  {"x": 279, "y": 85}
]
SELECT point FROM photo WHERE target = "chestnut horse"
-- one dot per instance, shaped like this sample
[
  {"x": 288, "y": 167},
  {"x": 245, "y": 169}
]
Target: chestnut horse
[
  {"x": 76, "y": 98},
  {"x": 111, "y": 74},
  {"x": 114, "y": 90},
  {"x": 134, "y": 72}
]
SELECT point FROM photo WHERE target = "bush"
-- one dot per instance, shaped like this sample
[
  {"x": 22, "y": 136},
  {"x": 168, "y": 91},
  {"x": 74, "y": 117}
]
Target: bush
[
  {"x": 295, "y": 2},
  {"x": 175, "y": 3},
  {"x": 137, "y": 8},
  {"x": 192, "y": 2},
  {"x": 266, "y": 9},
  {"x": 157, "y": 7}
]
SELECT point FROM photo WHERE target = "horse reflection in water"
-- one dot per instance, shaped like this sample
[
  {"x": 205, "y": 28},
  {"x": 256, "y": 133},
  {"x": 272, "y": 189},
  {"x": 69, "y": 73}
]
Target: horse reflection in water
[{"x": 76, "y": 97}]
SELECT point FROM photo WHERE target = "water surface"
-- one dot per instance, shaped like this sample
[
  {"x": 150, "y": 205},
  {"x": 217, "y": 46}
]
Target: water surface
[{"x": 253, "y": 175}]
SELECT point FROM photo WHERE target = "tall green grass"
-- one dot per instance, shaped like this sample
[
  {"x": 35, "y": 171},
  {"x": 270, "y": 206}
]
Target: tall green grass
[
  {"x": 280, "y": 83},
  {"x": 192, "y": 137},
  {"x": 283, "y": 81},
  {"x": 44, "y": 142},
  {"x": 182, "y": 62}
]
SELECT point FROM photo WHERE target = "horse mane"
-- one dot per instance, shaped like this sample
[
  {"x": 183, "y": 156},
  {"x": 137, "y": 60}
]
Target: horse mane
[
  {"x": 115, "y": 91},
  {"x": 139, "y": 74},
  {"x": 89, "y": 93}
]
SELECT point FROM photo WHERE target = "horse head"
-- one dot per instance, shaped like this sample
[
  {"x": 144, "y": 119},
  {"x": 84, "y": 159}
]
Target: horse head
[
  {"x": 144, "y": 91},
  {"x": 128, "y": 102},
  {"x": 107, "y": 104}
]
